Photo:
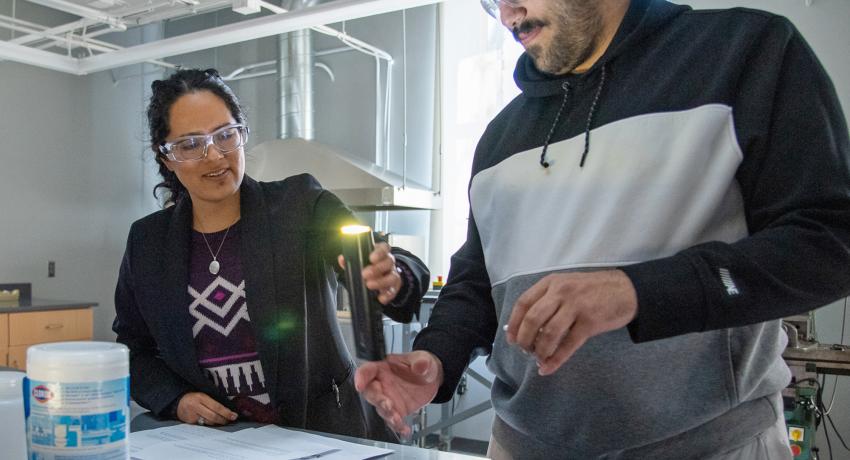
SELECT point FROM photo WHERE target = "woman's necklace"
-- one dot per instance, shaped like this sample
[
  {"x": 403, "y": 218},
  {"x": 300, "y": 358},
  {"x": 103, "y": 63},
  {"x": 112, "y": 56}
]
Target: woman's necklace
[{"x": 215, "y": 266}]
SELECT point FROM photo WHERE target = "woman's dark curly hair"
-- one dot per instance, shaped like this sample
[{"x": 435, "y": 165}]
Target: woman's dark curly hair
[{"x": 165, "y": 93}]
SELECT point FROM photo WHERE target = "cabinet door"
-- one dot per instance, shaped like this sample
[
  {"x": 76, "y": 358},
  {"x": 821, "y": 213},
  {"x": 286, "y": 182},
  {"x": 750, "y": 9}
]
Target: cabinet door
[
  {"x": 4, "y": 339},
  {"x": 4, "y": 330},
  {"x": 18, "y": 357},
  {"x": 49, "y": 326}
]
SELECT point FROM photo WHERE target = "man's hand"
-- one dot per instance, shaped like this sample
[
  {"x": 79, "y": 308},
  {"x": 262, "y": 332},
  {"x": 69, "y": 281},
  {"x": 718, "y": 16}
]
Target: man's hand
[
  {"x": 199, "y": 408},
  {"x": 400, "y": 385},
  {"x": 381, "y": 274},
  {"x": 557, "y": 315}
]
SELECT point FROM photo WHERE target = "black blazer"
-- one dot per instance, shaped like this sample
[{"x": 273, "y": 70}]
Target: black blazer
[{"x": 290, "y": 242}]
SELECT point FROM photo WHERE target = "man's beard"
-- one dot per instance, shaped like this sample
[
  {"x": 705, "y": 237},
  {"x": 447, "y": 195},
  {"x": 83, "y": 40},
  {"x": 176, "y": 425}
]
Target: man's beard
[{"x": 576, "y": 26}]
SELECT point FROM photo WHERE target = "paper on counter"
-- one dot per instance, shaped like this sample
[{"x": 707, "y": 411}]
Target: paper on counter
[
  {"x": 192, "y": 442},
  {"x": 140, "y": 440},
  {"x": 248, "y": 444},
  {"x": 347, "y": 450}
]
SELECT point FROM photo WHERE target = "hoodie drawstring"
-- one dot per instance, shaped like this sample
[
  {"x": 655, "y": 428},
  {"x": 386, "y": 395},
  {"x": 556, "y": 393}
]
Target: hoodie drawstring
[
  {"x": 566, "y": 87},
  {"x": 590, "y": 117}
]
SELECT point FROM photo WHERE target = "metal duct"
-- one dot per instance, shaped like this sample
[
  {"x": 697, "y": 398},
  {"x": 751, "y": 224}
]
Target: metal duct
[
  {"x": 295, "y": 70},
  {"x": 361, "y": 184}
]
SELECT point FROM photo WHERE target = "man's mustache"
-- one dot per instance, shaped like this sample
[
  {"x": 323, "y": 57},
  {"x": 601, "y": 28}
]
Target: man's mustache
[{"x": 526, "y": 26}]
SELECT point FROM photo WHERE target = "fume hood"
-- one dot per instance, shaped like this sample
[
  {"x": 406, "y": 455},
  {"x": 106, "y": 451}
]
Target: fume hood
[{"x": 360, "y": 184}]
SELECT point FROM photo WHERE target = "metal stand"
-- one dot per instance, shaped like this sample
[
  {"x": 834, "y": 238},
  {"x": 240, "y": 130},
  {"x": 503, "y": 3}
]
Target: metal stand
[{"x": 447, "y": 419}]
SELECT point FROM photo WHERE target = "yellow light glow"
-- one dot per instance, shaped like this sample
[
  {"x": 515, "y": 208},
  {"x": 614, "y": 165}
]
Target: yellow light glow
[{"x": 355, "y": 229}]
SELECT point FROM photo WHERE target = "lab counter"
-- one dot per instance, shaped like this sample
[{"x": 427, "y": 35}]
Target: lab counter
[
  {"x": 27, "y": 321},
  {"x": 25, "y": 303},
  {"x": 33, "y": 305},
  {"x": 146, "y": 421}
]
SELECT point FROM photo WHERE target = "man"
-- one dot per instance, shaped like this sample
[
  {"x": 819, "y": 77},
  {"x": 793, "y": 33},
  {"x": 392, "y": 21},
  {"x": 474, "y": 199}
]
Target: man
[{"x": 667, "y": 186}]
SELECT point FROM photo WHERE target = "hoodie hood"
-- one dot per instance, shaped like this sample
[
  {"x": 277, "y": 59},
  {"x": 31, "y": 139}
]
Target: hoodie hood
[{"x": 642, "y": 18}]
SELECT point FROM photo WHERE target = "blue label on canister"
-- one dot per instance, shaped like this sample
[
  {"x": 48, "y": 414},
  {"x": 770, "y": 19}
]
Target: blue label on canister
[{"x": 87, "y": 420}]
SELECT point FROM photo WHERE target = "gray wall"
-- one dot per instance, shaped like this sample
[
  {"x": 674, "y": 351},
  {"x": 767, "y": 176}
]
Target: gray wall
[
  {"x": 72, "y": 181},
  {"x": 73, "y": 176}
]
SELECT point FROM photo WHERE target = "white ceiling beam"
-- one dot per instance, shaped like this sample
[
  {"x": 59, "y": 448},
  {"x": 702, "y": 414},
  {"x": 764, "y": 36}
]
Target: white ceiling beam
[
  {"x": 70, "y": 27},
  {"x": 85, "y": 22},
  {"x": 83, "y": 11},
  {"x": 39, "y": 58},
  {"x": 252, "y": 29}
]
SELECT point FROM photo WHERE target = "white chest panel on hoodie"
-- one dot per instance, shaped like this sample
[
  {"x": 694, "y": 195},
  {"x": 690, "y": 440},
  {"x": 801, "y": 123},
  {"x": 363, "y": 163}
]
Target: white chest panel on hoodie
[{"x": 652, "y": 185}]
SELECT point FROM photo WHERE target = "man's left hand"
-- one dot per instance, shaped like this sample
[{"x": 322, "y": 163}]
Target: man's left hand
[{"x": 557, "y": 315}]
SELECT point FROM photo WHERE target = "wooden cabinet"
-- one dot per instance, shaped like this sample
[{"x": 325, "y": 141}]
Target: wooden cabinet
[
  {"x": 18, "y": 357},
  {"x": 31, "y": 328},
  {"x": 4, "y": 339},
  {"x": 49, "y": 326}
]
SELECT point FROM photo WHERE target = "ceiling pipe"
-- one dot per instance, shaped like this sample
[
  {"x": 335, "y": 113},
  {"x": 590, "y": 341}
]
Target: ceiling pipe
[
  {"x": 168, "y": 10},
  {"x": 337, "y": 11},
  {"x": 39, "y": 58},
  {"x": 87, "y": 37},
  {"x": 86, "y": 22},
  {"x": 235, "y": 76},
  {"x": 68, "y": 40},
  {"x": 70, "y": 27},
  {"x": 354, "y": 43},
  {"x": 83, "y": 11},
  {"x": 240, "y": 73}
]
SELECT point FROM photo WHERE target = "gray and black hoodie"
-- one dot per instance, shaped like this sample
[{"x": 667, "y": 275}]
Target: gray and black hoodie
[{"x": 706, "y": 155}]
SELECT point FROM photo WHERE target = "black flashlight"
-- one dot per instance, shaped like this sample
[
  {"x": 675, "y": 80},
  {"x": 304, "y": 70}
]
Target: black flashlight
[{"x": 366, "y": 311}]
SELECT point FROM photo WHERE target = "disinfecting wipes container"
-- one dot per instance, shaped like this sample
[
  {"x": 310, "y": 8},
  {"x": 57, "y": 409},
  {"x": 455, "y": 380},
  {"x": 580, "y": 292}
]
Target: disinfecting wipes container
[{"x": 78, "y": 401}]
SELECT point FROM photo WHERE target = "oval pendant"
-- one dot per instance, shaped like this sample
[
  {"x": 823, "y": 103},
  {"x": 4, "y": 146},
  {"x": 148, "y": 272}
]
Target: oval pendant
[{"x": 214, "y": 266}]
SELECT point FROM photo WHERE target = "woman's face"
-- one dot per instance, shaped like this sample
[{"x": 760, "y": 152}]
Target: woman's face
[{"x": 216, "y": 177}]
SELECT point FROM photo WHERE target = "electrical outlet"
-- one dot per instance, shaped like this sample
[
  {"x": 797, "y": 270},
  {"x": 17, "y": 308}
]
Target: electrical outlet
[{"x": 51, "y": 268}]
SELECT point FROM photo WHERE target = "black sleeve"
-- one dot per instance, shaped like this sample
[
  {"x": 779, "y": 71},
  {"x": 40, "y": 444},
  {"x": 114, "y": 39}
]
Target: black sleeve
[
  {"x": 795, "y": 183},
  {"x": 463, "y": 322},
  {"x": 153, "y": 384},
  {"x": 331, "y": 215}
]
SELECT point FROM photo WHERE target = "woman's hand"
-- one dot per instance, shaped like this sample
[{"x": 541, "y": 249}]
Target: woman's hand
[
  {"x": 381, "y": 274},
  {"x": 198, "y": 408}
]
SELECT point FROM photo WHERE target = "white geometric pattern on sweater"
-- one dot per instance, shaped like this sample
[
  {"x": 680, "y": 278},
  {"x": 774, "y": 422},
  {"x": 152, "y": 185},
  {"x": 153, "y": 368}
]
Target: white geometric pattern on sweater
[
  {"x": 201, "y": 299},
  {"x": 264, "y": 398},
  {"x": 220, "y": 374}
]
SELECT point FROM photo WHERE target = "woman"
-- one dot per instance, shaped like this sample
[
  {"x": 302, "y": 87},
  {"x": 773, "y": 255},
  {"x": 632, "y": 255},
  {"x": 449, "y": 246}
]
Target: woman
[{"x": 227, "y": 297}]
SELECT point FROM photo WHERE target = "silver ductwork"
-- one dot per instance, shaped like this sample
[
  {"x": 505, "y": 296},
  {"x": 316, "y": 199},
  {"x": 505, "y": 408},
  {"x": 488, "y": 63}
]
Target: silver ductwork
[
  {"x": 362, "y": 185},
  {"x": 295, "y": 84}
]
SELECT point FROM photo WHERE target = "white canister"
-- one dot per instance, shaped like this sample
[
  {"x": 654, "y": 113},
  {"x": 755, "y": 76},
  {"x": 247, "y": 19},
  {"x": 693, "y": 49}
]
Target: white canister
[
  {"x": 78, "y": 401},
  {"x": 13, "y": 436}
]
